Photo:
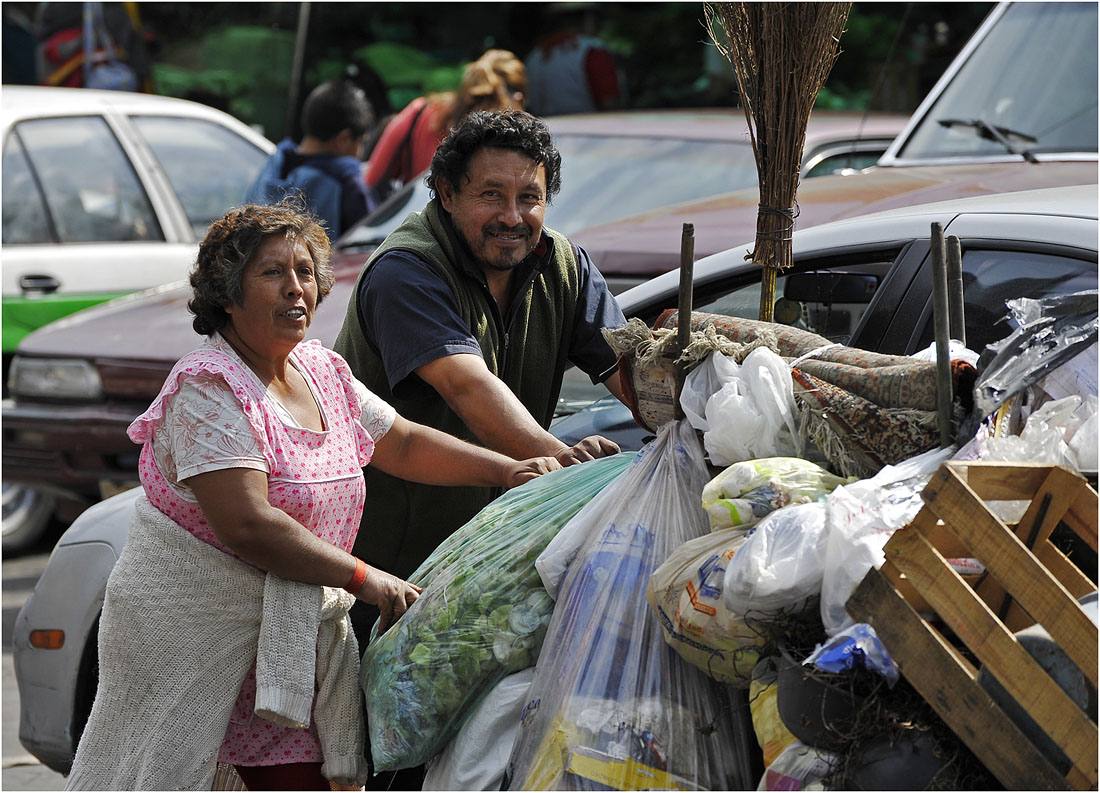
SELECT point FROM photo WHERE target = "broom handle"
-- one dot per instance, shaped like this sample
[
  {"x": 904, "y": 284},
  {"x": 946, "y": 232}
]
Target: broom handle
[{"x": 767, "y": 294}]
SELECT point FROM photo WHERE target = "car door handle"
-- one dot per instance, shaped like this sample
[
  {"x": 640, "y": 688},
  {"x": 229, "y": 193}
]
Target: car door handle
[{"x": 46, "y": 284}]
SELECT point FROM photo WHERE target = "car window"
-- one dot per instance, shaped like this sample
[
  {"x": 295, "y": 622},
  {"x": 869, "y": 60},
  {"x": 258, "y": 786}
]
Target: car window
[
  {"x": 209, "y": 166},
  {"x": 849, "y": 160},
  {"x": 991, "y": 278},
  {"x": 24, "y": 206},
  {"x": 828, "y": 301},
  {"x": 825, "y": 298},
  {"x": 1034, "y": 74},
  {"x": 92, "y": 192},
  {"x": 610, "y": 178}
]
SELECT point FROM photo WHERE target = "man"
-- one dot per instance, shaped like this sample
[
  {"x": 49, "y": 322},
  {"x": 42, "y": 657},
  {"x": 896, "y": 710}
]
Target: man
[
  {"x": 466, "y": 318},
  {"x": 325, "y": 167}
]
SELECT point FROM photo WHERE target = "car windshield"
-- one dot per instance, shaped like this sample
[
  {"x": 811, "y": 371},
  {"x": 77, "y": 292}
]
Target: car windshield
[
  {"x": 605, "y": 179},
  {"x": 1037, "y": 90},
  {"x": 609, "y": 178}
]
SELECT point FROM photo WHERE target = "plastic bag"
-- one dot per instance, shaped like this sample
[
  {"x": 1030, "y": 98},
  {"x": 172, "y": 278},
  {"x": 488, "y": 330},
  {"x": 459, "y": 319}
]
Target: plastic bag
[
  {"x": 781, "y": 564},
  {"x": 747, "y": 491},
  {"x": 611, "y": 705},
  {"x": 956, "y": 351},
  {"x": 857, "y": 645},
  {"x": 685, "y": 593},
  {"x": 475, "y": 759},
  {"x": 861, "y": 518},
  {"x": 771, "y": 733},
  {"x": 752, "y": 414},
  {"x": 703, "y": 382},
  {"x": 798, "y": 767},
  {"x": 1050, "y": 436},
  {"x": 482, "y": 616}
]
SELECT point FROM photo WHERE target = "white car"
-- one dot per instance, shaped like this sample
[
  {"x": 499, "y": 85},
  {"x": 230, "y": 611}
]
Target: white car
[
  {"x": 1032, "y": 243},
  {"x": 105, "y": 193}
]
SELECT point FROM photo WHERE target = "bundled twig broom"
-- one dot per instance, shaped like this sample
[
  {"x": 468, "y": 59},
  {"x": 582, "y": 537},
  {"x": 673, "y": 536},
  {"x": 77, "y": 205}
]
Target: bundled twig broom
[{"x": 781, "y": 54}]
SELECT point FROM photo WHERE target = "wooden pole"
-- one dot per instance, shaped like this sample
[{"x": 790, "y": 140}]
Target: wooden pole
[
  {"x": 941, "y": 322},
  {"x": 683, "y": 319},
  {"x": 955, "y": 289}
]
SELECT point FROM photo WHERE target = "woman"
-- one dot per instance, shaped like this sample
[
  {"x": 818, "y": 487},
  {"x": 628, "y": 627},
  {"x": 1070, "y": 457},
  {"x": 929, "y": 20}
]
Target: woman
[
  {"x": 251, "y": 467},
  {"x": 495, "y": 81}
]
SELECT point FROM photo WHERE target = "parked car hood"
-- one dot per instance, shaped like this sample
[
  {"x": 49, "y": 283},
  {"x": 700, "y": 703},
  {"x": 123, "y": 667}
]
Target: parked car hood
[
  {"x": 649, "y": 244},
  {"x": 154, "y": 325}
]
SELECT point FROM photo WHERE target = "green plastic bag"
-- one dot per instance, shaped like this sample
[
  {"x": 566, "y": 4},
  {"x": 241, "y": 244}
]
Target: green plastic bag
[{"x": 482, "y": 616}]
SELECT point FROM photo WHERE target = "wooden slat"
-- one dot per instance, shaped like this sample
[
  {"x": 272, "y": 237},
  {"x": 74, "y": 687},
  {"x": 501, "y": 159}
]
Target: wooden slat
[
  {"x": 1061, "y": 486},
  {"x": 968, "y": 616},
  {"x": 922, "y": 656},
  {"x": 1076, "y": 583},
  {"x": 1082, "y": 516},
  {"x": 939, "y": 535},
  {"x": 1037, "y": 591},
  {"x": 1002, "y": 481}
]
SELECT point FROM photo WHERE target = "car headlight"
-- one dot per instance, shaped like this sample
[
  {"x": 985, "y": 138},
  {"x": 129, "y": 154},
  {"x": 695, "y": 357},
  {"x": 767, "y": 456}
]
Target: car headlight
[{"x": 54, "y": 378}]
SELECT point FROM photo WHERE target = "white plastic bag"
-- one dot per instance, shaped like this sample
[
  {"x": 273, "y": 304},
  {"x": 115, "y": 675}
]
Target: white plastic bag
[
  {"x": 475, "y": 758},
  {"x": 1050, "y": 436},
  {"x": 798, "y": 767},
  {"x": 747, "y": 491},
  {"x": 703, "y": 382},
  {"x": 686, "y": 594},
  {"x": 745, "y": 410},
  {"x": 956, "y": 350},
  {"x": 861, "y": 517},
  {"x": 781, "y": 564}
]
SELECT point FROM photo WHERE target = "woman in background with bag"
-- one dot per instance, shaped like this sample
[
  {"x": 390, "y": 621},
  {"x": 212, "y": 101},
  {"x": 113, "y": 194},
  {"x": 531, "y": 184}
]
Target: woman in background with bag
[{"x": 495, "y": 81}]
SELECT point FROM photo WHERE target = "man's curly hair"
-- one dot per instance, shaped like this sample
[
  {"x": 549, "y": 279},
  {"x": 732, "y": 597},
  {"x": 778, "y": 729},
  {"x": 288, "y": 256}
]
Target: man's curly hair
[
  {"x": 230, "y": 243},
  {"x": 502, "y": 129}
]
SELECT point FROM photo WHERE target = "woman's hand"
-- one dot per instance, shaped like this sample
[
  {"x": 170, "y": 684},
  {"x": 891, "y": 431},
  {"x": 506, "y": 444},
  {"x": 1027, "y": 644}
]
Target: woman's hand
[
  {"x": 520, "y": 471},
  {"x": 390, "y": 594}
]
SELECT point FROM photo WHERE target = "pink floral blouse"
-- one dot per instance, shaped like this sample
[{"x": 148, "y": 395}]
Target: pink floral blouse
[{"x": 213, "y": 413}]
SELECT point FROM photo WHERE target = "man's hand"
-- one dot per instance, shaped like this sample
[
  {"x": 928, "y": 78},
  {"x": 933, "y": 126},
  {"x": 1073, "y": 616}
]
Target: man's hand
[
  {"x": 520, "y": 471},
  {"x": 590, "y": 448}
]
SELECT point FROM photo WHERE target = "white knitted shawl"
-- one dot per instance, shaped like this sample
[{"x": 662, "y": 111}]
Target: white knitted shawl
[{"x": 182, "y": 623}]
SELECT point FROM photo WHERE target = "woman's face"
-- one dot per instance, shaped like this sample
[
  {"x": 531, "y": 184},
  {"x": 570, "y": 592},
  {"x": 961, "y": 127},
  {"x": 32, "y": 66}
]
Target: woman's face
[{"x": 279, "y": 289}]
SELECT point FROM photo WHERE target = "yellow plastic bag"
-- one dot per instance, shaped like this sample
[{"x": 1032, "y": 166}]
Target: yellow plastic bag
[{"x": 686, "y": 594}]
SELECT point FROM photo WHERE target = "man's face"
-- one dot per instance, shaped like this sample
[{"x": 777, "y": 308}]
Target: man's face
[{"x": 499, "y": 206}]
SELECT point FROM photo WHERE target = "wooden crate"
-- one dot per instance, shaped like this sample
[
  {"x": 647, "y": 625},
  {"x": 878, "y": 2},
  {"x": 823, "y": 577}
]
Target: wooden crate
[{"x": 1028, "y": 580}]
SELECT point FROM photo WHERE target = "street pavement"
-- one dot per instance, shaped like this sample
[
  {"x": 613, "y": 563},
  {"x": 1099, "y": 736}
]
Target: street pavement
[{"x": 19, "y": 769}]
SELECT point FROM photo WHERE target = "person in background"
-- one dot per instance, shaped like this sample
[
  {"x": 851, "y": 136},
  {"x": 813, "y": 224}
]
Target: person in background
[
  {"x": 325, "y": 167},
  {"x": 119, "y": 44},
  {"x": 568, "y": 71},
  {"x": 495, "y": 81},
  {"x": 224, "y": 633}
]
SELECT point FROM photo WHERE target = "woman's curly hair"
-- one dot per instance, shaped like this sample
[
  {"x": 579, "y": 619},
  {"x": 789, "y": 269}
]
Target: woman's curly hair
[
  {"x": 230, "y": 243},
  {"x": 503, "y": 129}
]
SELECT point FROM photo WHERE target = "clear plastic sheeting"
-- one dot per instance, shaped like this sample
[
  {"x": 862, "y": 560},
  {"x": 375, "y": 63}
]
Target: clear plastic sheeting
[
  {"x": 482, "y": 616},
  {"x": 612, "y": 706},
  {"x": 1050, "y": 331}
]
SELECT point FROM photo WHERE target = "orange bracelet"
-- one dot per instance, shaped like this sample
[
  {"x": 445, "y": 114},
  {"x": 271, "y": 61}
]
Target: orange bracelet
[{"x": 357, "y": 578}]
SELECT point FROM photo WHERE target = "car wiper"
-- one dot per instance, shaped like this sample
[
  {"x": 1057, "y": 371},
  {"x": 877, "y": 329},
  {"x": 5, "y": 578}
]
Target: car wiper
[{"x": 991, "y": 132}]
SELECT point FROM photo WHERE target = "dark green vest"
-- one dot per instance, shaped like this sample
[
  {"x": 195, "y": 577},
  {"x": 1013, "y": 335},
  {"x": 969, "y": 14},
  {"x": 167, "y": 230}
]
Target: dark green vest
[{"x": 528, "y": 349}]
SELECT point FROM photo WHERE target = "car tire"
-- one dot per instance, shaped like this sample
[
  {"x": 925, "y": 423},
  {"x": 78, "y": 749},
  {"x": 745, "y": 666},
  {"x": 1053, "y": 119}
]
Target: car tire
[{"x": 27, "y": 513}]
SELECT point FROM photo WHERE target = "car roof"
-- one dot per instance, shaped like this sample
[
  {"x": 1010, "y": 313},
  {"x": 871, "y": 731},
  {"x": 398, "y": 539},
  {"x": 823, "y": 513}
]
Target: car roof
[
  {"x": 719, "y": 124},
  {"x": 19, "y": 102}
]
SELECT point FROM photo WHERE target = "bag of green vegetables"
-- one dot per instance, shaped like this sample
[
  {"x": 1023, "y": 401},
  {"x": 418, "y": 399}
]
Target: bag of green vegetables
[{"x": 482, "y": 616}]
